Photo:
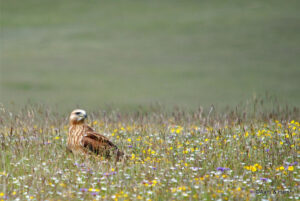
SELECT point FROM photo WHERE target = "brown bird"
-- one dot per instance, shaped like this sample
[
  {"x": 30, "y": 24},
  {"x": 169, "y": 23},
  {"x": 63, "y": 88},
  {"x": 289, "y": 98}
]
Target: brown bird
[{"x": 83, "y": 139}]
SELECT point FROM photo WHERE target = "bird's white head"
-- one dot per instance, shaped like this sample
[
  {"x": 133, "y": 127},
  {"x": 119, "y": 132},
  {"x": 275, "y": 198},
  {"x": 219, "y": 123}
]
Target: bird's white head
[{"x": 78, "y": 116}]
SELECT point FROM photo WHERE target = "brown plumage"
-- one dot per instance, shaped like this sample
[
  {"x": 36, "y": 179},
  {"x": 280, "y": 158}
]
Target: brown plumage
[{"x": 83, "y": 139}]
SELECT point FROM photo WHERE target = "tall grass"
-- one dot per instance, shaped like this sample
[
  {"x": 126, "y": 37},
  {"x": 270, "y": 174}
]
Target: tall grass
[{"x": 245, "y": 153}]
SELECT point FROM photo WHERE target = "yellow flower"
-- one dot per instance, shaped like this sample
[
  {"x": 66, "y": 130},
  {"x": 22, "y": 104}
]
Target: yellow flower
[
  {"x": 129, "y": 140},
  {"x": 258, "y": 166},
  {"x": 154, "y": 182},
  {"x": 246, "y": 134},
  {"x": 57, "y": 138},
  {"x": 62, "y": 185},
  {"x": 1, "y": 194},
  {"x": 281, "y": 168},
  {"x": 253, "y": 168},
  {"x": 291, "y": 168},
  {"x": 281, "y": 142}
]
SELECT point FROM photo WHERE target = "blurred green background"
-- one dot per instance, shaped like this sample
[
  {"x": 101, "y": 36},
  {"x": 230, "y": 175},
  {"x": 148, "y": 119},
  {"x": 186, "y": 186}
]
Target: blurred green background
[{"x": 127, "y": 53}]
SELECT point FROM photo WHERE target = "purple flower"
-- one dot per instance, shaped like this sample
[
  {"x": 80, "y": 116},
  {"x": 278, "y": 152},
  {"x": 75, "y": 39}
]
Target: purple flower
[
  {"x": 83, "y": 189},
  {"x": 194, "y": 168},
  {"x": 113, "y": 173},
  {"x": 287, "y": 164},
  {"x": 294, "y": 163},
  {"x": 263, "y": 179},
  {"x": 94, "y": 193},
  {"x": 267, "y": 150},
  {"x": 222, "y": 169},
  {"x": 109, "y": 173},
  {"x": 154, "y": 168}
]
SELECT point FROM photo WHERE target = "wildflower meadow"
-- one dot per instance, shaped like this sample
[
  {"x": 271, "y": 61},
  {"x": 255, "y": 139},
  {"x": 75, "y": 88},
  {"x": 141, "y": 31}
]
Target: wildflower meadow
[
  {"x": 172, "y": 155},
  {"x": 169, "y": 82}
]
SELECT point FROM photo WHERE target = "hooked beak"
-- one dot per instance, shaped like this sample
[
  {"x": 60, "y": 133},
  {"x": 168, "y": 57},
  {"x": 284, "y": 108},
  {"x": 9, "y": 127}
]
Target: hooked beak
[{"x": 82, "y": 116}]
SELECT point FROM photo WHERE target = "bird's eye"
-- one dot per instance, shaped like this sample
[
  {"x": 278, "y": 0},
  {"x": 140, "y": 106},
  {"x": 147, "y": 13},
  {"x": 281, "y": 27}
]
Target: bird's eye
[{"x": 77, "y": 113}]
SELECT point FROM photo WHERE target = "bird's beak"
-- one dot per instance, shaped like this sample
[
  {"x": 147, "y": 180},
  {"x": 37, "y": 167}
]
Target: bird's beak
[{"x": 82, "y": 116}]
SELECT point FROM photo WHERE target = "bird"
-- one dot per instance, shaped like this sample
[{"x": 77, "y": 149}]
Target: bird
[{"x": 83, "y": 139}]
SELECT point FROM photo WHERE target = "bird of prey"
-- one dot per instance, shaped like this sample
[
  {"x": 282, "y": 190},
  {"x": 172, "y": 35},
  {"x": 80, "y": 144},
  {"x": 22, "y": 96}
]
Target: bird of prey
[{"x": 83, "y": 139}]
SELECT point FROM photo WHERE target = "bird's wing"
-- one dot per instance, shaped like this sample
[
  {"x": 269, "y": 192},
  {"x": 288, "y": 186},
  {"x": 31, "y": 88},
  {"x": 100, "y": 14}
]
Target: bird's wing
[{"x": 97, "y": 143}]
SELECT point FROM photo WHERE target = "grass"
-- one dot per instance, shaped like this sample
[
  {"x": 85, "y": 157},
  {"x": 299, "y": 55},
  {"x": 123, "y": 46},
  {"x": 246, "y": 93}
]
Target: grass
[
  {"x": 135, "y": 52},
  {"x": 240, "y": 154}
]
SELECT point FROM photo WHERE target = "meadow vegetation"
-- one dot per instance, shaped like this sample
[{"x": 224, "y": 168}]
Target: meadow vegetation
[
  {"x": 116, "y": 58},
  {"x": 240, "y": 154}
]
